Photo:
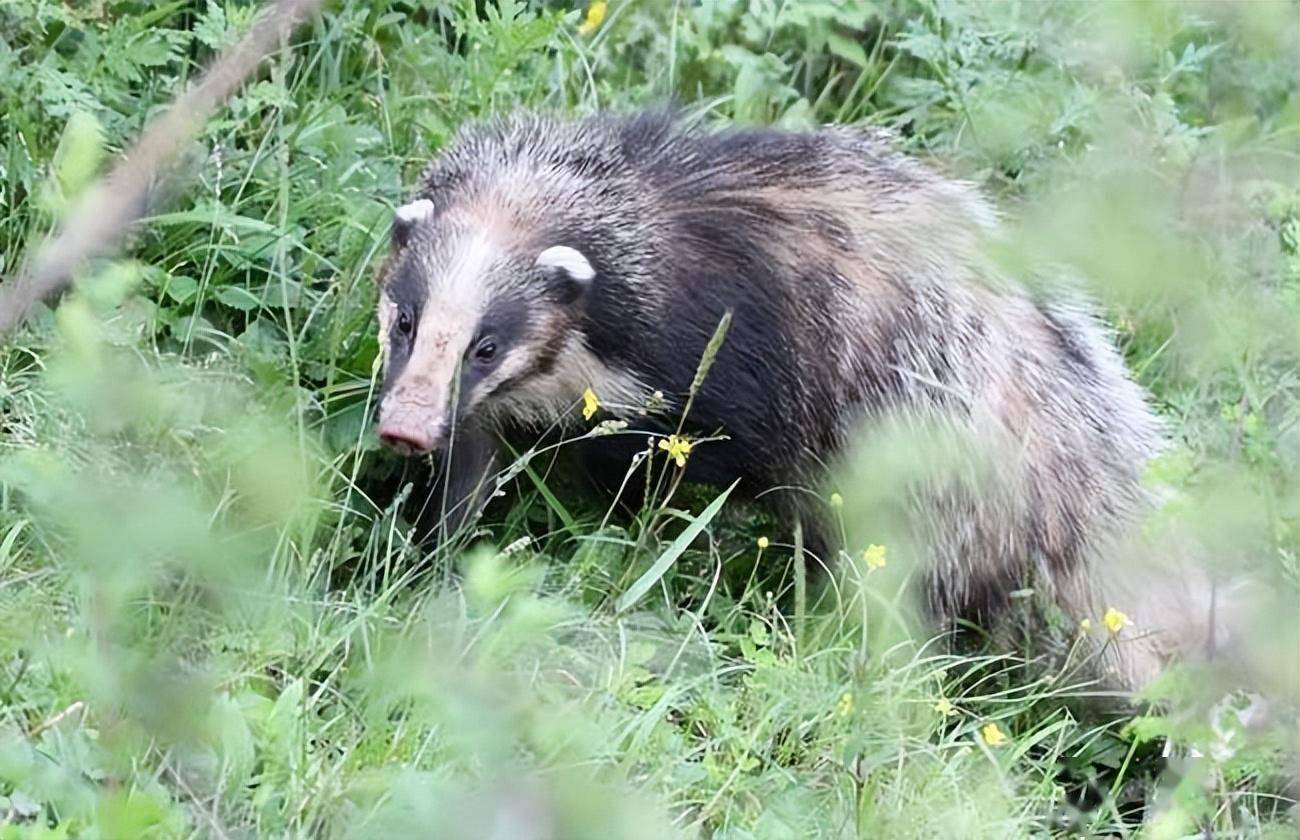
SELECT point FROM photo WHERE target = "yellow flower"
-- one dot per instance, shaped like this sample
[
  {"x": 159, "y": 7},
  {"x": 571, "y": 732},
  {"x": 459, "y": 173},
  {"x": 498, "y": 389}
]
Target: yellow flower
[
  {"x": 677, "y": 448},
  {"x": 595, "y": 17},
  {"x": 945, "y": 707},
  {"x": 874, "y": 557},
  {"x": 845, "y": 706},
  {"x": 1115, "y": 620},
  {"x": 992, "y": 735},
  {"x": 1086, "y": 625},
  {"x": 763, "y": 543},
  {"x": 589, "y": 404},
  {"x": 837, "y": 501}
]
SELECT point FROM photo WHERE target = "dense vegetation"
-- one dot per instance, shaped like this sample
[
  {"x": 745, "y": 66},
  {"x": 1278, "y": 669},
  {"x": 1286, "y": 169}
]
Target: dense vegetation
[{"x": 214, "y": 620}]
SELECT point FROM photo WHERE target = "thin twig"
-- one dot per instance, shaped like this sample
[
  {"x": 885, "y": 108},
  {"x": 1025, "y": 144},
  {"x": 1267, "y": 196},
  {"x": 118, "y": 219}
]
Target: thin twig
[
  {"x": 96, "y": 225},
  {"x": 78, "y": 707}
]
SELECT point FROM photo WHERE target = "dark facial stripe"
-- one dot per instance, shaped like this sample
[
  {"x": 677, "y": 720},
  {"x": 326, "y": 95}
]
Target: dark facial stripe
[
  {"x": 506, "y": 323},
  {"x": 406, "y": 287},
  {"x": 546, "y": 352},
  {"x": 407, "y": 290}
]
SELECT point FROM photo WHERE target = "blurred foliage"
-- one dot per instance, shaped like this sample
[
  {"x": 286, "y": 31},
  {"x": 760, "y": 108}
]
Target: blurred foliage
[{"x": 213, "y": 620}]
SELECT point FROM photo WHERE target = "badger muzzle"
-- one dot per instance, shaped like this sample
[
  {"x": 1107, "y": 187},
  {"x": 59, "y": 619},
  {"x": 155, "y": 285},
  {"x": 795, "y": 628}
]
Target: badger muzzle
[
  {"x": 415, "y": 415},
  {"x": 412, "y": 422}
]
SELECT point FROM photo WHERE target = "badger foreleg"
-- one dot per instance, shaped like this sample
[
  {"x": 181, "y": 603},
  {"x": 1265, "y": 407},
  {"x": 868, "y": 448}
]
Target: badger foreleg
[{"x": 468, "y": 467}]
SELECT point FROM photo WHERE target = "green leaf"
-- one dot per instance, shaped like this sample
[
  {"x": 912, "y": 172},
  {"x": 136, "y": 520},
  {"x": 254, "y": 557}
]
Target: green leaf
[
  {"x": 7, "y": 545},
  {"x": 847, "y": 49},
  {"x": 670, "y": 554},
  {"x": 77, "y": 160},
  {"x": 110, "y": 287},
  {"x": 283, "y": 723},
  {"x": 213, "y": 214},
  {"x": 213, "y": 29},
  {"x": 552, "y": 501},
  {"x": 237, "y": 297},
  {"x": 233, "y": 738},
  {"x": 181, "y": 289}
]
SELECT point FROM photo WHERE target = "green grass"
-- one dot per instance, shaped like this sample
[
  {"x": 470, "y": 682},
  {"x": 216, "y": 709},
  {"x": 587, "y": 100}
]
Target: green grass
[{"x": 214, "y": 621}]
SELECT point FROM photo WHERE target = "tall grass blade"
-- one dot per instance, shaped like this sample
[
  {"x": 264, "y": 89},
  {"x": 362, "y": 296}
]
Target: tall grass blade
[{"x": 670, "y": 554}]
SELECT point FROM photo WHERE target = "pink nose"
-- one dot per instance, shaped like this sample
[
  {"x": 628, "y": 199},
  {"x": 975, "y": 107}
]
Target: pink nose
[{"x": 405, "y": 440}]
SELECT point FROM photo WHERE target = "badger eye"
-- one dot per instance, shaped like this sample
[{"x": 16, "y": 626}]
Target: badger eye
[
  {"x": 404, "y": 323},
  {"x": 486, "y": 350}
]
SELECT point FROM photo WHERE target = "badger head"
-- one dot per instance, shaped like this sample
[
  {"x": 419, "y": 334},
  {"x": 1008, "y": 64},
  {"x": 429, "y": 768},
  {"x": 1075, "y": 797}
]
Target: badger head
[{"x": 475, "y": 322}]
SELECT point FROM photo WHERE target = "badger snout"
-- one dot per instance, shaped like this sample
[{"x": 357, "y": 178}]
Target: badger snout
[
  {"x": 409, "y": 432},
  {"x": 406, "y": 440}
]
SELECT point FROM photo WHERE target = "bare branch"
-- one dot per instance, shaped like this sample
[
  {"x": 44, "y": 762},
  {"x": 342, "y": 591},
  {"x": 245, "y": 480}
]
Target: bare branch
[{"x": 96, "y": 225}]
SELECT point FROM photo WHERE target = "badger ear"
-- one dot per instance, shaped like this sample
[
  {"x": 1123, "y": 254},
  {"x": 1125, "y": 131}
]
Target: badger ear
[
  {"x": 571, "y": 271},
  {"x": 408, "y": 217}
]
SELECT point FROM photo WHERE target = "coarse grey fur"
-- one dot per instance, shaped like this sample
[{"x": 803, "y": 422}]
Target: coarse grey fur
[{"x": 861, "y": 296}]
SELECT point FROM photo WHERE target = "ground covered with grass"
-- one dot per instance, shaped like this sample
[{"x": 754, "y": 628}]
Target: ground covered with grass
[{"x": 215, "y": 619}]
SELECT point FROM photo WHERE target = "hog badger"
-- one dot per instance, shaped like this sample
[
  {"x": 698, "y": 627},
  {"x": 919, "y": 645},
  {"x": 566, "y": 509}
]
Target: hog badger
[{"x": 539, "y": 258}]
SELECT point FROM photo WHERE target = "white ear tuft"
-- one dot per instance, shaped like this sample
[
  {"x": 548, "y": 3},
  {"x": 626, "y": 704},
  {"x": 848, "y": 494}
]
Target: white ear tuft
[
  {"x": 568, "y": 259},
  {"x": 416, "y": 211}
]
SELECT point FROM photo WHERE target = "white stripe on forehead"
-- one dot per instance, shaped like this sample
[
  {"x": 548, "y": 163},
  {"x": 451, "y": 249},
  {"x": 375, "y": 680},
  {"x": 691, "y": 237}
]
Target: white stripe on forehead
[
  {"x": 456, "y": 285},
  {"x": 463, "y": 279}
]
